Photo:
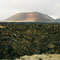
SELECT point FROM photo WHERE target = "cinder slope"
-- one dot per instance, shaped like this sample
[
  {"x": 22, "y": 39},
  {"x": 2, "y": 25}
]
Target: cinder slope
[{"x": 29, "y": 17}]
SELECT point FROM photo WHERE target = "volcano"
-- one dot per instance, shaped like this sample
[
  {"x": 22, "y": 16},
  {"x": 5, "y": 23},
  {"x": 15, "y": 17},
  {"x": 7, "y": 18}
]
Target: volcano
[{"x": 29, "y": 17}]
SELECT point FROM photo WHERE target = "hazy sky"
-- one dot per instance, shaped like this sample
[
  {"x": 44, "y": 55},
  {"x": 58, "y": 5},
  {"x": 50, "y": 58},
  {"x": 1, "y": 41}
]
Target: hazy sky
[{"x": 10, "y": 7}]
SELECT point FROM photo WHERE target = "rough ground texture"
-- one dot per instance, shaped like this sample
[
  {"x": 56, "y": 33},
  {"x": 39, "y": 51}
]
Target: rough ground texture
[{"x": 41, "y": 57}]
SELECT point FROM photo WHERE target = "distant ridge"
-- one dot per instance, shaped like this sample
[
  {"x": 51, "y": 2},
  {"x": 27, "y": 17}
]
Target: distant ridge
[
  {"x": 57, "y": 20},
  {"x": 29, "y": 17}
]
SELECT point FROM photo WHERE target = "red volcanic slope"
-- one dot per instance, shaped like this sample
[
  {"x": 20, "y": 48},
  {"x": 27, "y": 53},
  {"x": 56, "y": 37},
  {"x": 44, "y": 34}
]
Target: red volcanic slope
[{"x": 29, "y": 17}]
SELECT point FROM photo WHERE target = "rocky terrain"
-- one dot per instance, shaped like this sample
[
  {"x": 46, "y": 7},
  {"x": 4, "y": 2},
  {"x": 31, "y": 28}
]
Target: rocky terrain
[{"x": 41, "y": 57}]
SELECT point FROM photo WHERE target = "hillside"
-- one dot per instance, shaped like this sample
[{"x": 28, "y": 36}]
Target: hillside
[
  {"x": 29, "y": 17},
  {"x": 17, "y": 39}
]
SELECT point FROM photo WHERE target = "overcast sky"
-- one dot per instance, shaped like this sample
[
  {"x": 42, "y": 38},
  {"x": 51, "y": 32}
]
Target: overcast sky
[{"x": 11, "y": 7}]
